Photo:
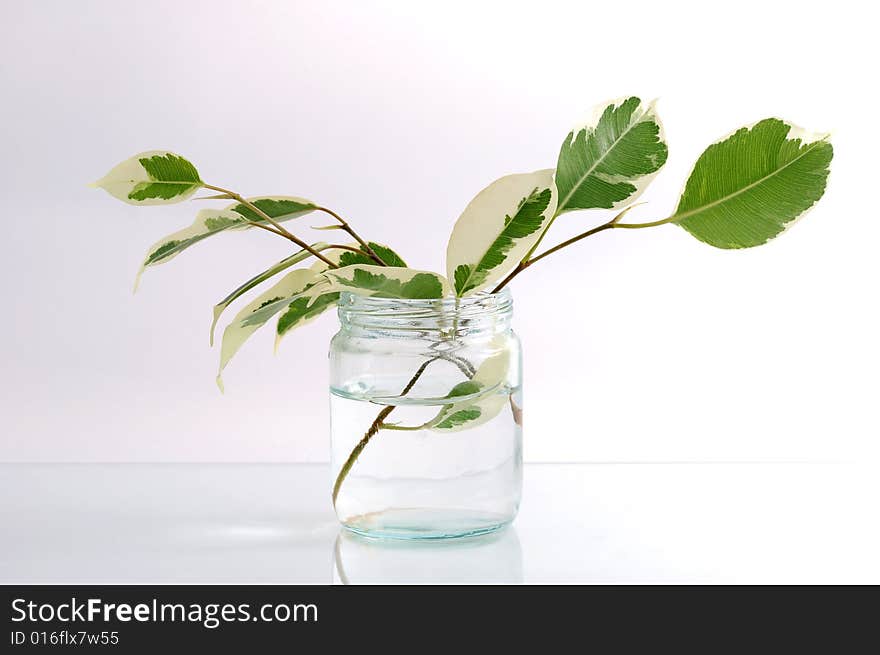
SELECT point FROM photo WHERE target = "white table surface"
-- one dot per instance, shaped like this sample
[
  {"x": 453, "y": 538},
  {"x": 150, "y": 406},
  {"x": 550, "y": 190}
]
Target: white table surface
[{"x": 579, "y": 523}]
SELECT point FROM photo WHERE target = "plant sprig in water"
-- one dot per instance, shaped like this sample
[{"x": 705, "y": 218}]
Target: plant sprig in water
[{"x": 743, "y": 191}]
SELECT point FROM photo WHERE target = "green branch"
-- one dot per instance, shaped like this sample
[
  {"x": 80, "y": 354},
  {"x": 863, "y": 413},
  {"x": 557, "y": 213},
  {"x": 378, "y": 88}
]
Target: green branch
[
  {"x": 612, "y": 224},
  {"x": 379, "y": 422}
]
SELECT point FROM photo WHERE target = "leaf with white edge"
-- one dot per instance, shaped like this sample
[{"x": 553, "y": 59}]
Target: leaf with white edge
[
  {"x": 303, "y": 310},
  {"x": 156, "y": 177},
  {"x": 301, "y": 283},
  {"x": 312, "y": 291},
  {"x": 342, "y": 257},
  {"x": 497, "y": 228},
  {"x": 385, "y": 253},
  {"x": 611, "y": 159},
  {"x": 479, "y": 399},
  {"x": 280, "y": 208},
  {"x": 388, "y": 282},
  {"x": 258, "y": 279},
  {"x": 209, "y": 222},
  {"x": 746, "y": 189},
  {"x": 334, "y": 255}
]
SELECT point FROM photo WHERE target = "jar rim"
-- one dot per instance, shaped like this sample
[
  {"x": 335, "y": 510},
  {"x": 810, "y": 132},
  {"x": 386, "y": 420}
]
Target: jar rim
[
  {"x": 500, "y": 298},
  {"x": 479, "y": 313}
]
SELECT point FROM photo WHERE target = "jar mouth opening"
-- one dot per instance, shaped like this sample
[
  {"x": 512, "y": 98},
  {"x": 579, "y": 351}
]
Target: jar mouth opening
[
  {"x": 481, "y": 299},
  {"x": 479, "y": 312}
]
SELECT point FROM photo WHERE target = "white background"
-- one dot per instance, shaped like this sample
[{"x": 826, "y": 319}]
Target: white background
[{"x": 643, "y": 345}]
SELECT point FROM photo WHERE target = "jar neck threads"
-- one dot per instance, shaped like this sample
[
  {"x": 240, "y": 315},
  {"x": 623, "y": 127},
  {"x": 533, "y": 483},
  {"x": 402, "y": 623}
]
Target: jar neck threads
[{"x": 480, "y": 314}]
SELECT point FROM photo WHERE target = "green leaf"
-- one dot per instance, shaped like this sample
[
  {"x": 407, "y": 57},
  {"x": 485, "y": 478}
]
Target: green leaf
[
  {"x": 311, "y": 291},
  {"x": 388, "y": 282},
  {"x": 745, "y": 189},
  {"x": 477, "y": 400},
  {"x": 497, "y": 228},
  {"x": 303, "y": 310},
  {"x": 527, "y": 220},
  {"x": 301, "y": 283},
  {"x": 156, "y": 177},
  {"x": 340, "y": 257},
  {"x": 277, "y": 207},
  {"x": 209, "y": 222},
  {"x": 611, "y": 159},
  {"x": 459, "y": 418},
  {"x": 258, "y": 279},
  {"x": 466, "y": 388},
  {"x": 349, "y": 258},
  {"x": 385, "y": 253}
]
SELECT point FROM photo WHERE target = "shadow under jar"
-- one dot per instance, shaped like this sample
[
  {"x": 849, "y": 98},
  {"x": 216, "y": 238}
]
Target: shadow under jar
[{"x": 426, "y": 416}]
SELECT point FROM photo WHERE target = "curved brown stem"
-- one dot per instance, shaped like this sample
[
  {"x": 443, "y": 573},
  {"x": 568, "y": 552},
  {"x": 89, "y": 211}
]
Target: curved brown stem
[
  {"x": 463, "y": 365},
  {"x": 613, "y": 223},
  {"x": 278, "y": 227},
  {"x": 339, "y": 246},
  {"x": 348, "y": 228},
  {"x": 524, "y": 265},
  {"x": 375, "y": 426}
]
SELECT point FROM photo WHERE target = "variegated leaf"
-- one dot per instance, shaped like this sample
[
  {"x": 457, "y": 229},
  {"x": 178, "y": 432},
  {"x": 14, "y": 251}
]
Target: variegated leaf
[
  {"x": 388, "y": 282},
  {"x": 311, "y": 287},
  {"x": 745, "y": 189},
  {"x": 612, "y": 158},
  {"x": 478, "y": 400},
  {"x": 497, "y": 228},
  {"x": 258, "y": 279},
  {"x": 156, "y": 177},
  {"x": 386, "y": 254},
  {"x": 209, "y": 222},
  {"x": 294, "y": 285},
  {"x": 302, "y": 310}
]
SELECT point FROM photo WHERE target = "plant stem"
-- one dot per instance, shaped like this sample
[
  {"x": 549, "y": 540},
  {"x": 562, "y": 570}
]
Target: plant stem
[
  {"x": 375, "y": 426},
  {"x": 379, "y": 422},
  {"x": 278, "y": 227},
  {"x": 635, "y": 226},
  {"x": 348, "y": 228},
  {"x": 339, "y": 246},
  {"x": 403, "y": 428},
  {"x": 465, "y": 366},
  {"x": 262, "y": 226},
  {"x": 268, "y": 228},
  {"x": 584, "y": 235},
  {"x": 247, "y": 203},
  {"x": 613, "y": 223},
  {"x": 531, "y": 251}
]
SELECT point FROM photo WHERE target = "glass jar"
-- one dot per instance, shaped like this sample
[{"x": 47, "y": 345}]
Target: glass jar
[{"x": 426, "y": 416}]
